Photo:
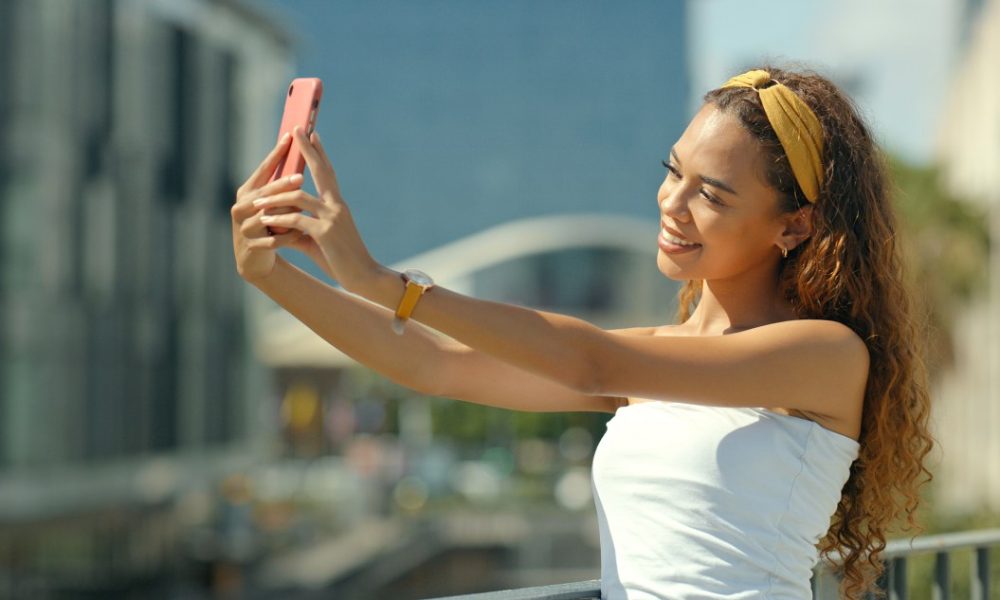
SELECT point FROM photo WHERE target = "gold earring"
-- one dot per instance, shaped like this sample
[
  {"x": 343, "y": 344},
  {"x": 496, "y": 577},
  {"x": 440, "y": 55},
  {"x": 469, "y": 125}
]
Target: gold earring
[{"x": 784, "y": 252}]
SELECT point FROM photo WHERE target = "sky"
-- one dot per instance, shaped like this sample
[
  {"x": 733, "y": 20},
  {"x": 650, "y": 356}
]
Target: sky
[{"x": 896, "y": 54}]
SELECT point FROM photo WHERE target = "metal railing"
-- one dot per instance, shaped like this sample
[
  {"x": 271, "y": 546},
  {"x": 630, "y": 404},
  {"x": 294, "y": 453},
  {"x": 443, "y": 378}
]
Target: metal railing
[
  {"x": 578, "y": 590},
  {"x": 980, "y": 542},
  {"x": 824, "y": 583}
]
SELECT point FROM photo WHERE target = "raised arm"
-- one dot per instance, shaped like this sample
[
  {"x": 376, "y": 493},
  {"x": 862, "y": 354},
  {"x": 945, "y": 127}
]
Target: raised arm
[
  {"x": 420, "y": 359},
  {"x": 799, "y": 364},
  {"x": 817, "y": 366}
]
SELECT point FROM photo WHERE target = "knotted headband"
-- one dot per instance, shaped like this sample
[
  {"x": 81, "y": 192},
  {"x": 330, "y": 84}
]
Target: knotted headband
[{"x": 795, "y": 123}]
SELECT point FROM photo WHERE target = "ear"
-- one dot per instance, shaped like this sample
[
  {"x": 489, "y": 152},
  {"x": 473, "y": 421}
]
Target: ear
[{"x": 797, "y": 227}]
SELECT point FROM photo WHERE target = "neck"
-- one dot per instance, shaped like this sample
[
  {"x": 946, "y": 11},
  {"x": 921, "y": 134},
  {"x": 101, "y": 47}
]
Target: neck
[{"x": 741, "y": 302}]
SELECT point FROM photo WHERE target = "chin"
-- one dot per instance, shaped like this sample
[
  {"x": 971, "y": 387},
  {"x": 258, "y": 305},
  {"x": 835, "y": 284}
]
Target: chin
[{"x": 672, "y": 270}]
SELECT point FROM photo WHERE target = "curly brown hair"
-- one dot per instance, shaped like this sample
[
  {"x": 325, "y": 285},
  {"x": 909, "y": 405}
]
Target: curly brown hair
[{"x": 851, "y": 270}]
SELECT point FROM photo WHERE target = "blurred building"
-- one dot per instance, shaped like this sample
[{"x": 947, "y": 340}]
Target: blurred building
[
  {"x": 125, "y": 379},
  {"x": 512, "y": 153},
  {"x": 967, "y": 403}
]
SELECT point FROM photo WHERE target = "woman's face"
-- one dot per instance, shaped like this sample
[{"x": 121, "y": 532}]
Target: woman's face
[{"x": 736, "y": 229}]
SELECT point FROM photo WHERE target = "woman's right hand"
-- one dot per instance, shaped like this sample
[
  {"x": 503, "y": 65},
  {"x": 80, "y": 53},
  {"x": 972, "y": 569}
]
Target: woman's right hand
[{"x": 254, "y": 247}]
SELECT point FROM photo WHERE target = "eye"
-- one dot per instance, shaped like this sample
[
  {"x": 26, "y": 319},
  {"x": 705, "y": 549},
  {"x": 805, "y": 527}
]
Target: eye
[
  {"x": 673, "y": 171},
  {"x": 712, "y": 198},
  {"x": 670, "y": 168}
]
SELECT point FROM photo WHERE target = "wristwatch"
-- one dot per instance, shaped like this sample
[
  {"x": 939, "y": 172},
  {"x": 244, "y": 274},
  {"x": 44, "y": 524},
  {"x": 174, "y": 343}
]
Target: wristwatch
[{"x": 417, "y": 283}]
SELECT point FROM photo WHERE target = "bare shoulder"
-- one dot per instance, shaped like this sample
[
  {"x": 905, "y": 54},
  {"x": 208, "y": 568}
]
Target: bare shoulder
[
  {"x": 830, "y": 343},
  {"x": 829, "y": 334},
  {"x": 842, "y": 352}
]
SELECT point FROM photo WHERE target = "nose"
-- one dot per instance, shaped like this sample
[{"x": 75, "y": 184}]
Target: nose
[{"x": 673, "y": 203}]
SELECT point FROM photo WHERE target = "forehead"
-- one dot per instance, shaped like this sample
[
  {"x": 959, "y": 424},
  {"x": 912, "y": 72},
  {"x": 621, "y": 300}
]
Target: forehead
[{"x": 716, "y": 145}]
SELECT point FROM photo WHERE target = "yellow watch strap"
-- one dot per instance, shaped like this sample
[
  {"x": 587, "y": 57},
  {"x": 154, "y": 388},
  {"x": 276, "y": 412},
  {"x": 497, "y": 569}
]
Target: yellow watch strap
[{"x": 409, "y": 301}]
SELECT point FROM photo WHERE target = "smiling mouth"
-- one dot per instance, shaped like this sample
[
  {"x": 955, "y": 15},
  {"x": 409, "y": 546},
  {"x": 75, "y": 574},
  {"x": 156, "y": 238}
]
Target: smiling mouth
[{"x": 673, "y": 239}]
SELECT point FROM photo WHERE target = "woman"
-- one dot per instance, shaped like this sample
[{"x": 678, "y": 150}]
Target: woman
[{"x": 784, "y": 416}]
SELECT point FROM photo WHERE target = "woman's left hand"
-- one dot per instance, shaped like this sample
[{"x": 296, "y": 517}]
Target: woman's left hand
[{"x": 331, "y": 225}]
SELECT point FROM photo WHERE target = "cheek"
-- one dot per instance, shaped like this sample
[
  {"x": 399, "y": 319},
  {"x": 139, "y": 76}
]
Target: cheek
[
  {"x": 734, "y": 242},
  {"x": 712, "y": 226}
]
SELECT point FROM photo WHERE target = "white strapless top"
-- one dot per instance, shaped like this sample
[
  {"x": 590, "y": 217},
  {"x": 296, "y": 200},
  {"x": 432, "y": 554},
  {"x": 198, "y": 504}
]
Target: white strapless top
[{"x": 710, "y": 502}]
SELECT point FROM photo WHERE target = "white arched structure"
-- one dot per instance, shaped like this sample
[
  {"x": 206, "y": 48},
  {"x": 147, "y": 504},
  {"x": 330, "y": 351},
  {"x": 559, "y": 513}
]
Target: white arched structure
[{"x": 283, "y": 342}]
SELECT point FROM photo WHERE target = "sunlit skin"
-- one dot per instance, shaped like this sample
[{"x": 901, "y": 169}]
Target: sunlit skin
[
  {"x": 742, "y": 346},
  {"x": 815, "y": 367},
  {"x": 741, "y": 235}
]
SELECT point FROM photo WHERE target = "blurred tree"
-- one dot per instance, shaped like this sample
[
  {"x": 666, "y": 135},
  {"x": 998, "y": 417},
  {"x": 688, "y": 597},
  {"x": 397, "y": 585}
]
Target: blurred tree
[{"x": 946, "y": 243}]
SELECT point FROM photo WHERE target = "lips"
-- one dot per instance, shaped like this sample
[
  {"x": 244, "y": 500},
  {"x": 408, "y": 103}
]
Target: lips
[{"x": 674, "y": 237}]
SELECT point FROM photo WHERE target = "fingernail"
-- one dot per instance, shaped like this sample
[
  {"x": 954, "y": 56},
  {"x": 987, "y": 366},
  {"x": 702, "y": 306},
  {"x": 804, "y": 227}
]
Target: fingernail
[
  {"x": 266, "y": 219},
  {"x": 295, "y": 178},
  {"x": 284, "y": 137},
  {"x": 260, "y": 201}
]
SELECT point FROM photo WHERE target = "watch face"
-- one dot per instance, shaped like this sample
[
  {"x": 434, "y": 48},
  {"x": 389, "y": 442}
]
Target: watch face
[{"x": 419, "y": 277}]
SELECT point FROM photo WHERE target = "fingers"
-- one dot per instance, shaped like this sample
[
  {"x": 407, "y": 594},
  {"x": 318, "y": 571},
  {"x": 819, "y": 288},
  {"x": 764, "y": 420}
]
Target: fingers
[
  {"x": 252, "y": 227},
  {"x": 266, "y": 168},
  {"x": 293, "y": 220},
  {"x": 259, "y": 225},
  {"x": 326, "y": 159},
  {"x": 244, "y": 207},
  {"x": 293, "y": 181},
  {"x": 319, "y": 165},
  {"x": 274, "y": 241},
  {"x": 295, "y": 198},
  {"x": 314, "y": 138}
]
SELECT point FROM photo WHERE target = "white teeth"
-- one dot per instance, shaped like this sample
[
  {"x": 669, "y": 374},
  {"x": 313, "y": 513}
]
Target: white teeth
[{"x": 674, "y": 239}]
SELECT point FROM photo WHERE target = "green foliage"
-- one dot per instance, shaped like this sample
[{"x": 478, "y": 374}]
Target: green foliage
[
  {"x": 946, "y": 244},
  {"x": 468, "y": 424},
  {"x": 475, "y": 424}
]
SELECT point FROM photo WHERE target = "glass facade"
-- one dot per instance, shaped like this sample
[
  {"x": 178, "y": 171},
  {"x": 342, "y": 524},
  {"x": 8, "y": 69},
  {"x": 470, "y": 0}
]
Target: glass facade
[
  {"x": 128, "y": 384},
  {"x": 121, "y": 313}
]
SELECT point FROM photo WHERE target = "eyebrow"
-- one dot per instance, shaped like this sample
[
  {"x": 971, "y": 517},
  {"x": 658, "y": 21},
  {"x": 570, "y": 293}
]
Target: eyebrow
[{"x": 709, "y": 180}]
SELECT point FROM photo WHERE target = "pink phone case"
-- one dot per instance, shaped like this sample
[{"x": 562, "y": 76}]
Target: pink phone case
[{"x": 301, "y": 107}]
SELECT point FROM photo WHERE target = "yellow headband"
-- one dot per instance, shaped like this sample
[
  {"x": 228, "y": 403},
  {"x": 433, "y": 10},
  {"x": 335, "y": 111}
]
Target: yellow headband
[{"x": 795, "y": 123}]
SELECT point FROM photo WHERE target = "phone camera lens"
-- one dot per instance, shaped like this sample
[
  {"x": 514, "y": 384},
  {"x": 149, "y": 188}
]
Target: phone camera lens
[{"x": 290, "y": 88}]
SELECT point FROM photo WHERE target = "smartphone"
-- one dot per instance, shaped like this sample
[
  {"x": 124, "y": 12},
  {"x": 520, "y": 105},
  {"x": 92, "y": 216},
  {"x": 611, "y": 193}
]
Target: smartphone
[{"x": 301, "y": 107}]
